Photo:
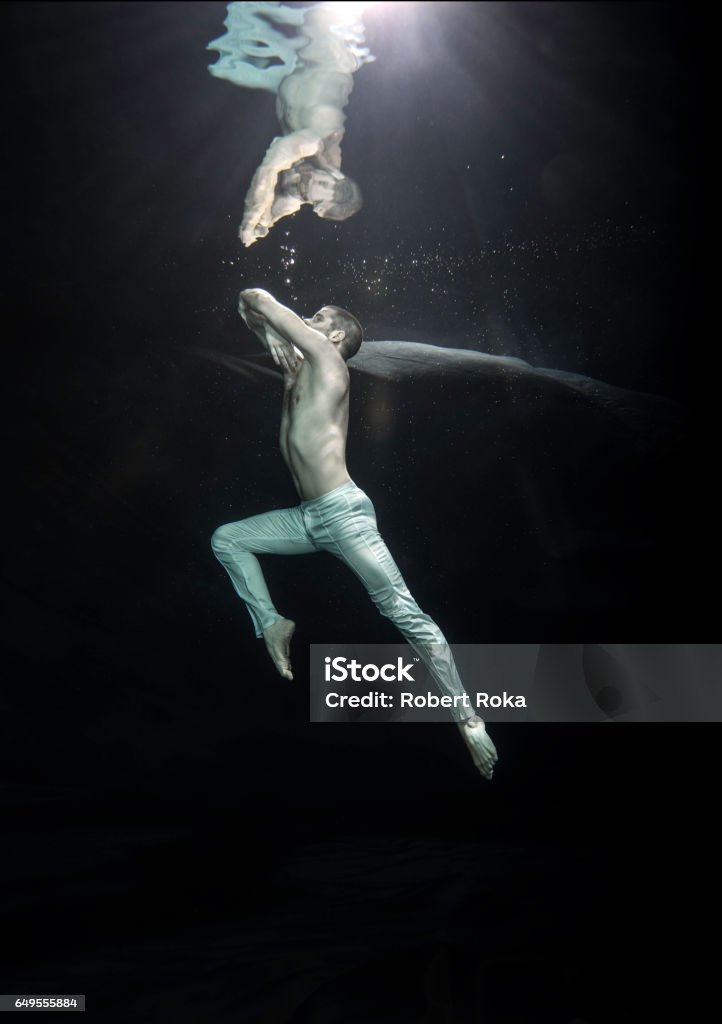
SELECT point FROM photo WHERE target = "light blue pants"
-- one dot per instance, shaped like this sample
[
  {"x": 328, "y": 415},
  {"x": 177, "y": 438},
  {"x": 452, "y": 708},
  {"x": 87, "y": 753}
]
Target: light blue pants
[{"x": 342, "y": 521}]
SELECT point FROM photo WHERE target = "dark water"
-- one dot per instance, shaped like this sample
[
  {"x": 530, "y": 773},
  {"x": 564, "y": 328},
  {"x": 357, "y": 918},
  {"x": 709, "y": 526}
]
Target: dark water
[{"x": 182, "y": 844}]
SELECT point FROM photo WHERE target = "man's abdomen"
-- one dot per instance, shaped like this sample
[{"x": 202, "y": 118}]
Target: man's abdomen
[{"x": 316, "y": 469}]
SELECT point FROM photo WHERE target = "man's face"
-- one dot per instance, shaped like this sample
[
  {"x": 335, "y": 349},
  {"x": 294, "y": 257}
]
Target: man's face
[{"x": 321, "y": 321}]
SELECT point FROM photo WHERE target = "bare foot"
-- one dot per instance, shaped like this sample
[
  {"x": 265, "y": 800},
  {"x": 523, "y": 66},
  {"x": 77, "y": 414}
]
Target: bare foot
[
  {"x": 477, "y": 739},
  {"x": 278, "y": 642}
]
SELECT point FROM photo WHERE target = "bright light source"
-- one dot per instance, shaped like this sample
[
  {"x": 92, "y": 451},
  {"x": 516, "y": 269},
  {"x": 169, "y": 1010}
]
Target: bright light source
[{"x": 350, "y": 8}]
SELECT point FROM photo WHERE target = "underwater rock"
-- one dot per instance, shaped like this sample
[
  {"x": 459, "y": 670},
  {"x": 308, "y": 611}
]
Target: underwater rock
[{"x": 409, "y": 362}]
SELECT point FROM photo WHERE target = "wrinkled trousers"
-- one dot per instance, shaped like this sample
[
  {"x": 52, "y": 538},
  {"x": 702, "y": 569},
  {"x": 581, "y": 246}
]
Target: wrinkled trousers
[{"x": 343, "y": 522}]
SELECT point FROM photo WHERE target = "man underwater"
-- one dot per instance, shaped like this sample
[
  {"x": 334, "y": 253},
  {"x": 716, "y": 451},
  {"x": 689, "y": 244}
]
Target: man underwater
[
  {"x": 303, "y": 164},
  {"x": 334, "y": 514}
]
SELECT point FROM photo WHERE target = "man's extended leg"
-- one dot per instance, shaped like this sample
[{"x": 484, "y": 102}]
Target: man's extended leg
[
  {"x": 235, "y": 545},
  {"x": 344, "y": 523}
]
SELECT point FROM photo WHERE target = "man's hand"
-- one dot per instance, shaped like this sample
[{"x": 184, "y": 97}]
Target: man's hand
[
  {"x": 251, "y": 299},
  {"x": 250, "y": 231},
  {"x": 282, "y": 352}
]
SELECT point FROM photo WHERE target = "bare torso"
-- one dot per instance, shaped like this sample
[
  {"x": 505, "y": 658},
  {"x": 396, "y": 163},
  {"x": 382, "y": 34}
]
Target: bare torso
[{"x": 314, "y": 425}]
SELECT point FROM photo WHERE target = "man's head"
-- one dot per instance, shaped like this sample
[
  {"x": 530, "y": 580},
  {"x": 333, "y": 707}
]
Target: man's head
[
  {"x": 340, "y": 327},
  {"x": 332, "y": 195}
]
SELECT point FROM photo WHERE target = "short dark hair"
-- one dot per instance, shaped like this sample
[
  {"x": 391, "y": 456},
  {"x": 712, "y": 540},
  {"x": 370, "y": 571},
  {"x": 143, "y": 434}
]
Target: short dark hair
[
  {"x": 347, "y": 200},
  {"x": 345, "y": 321}
]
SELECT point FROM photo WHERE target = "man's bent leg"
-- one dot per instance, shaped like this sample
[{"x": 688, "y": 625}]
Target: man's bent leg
[{"x": 235, "y": 545}]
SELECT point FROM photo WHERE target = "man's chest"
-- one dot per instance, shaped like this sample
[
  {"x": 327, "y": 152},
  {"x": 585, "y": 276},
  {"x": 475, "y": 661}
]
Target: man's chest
[{"x": 294, "y": 396}]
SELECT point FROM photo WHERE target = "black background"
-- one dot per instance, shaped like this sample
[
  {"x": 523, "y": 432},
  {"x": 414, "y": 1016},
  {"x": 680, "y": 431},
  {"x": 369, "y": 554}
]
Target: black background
[{"x": 183, "y": 844}]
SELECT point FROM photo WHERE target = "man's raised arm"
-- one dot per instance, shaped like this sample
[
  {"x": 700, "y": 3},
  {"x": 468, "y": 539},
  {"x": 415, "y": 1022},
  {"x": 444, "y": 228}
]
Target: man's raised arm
[
  {"x": 282, "y": 353},
  {"x": 286, "y": 323},
  {"x": 281, "y": 155}
]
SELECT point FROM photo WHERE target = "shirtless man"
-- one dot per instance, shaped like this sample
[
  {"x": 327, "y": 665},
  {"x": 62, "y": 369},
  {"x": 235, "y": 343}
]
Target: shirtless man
[
  {"x": 304, "y": 164},
  {"x": 334, "y": 514}
]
